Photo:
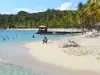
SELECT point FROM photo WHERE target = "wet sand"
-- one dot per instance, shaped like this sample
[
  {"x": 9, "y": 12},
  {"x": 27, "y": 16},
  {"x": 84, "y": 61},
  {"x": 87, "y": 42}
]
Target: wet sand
[{"x": 18, "y": 55}]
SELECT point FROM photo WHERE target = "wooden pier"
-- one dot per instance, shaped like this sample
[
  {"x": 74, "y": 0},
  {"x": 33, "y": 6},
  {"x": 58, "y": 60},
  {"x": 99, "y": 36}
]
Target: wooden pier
[{"x": 44, "y": 30}]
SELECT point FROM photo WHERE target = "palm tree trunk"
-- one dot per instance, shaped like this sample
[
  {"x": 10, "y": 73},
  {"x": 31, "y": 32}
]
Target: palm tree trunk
[{"x": 95, "y": 20}]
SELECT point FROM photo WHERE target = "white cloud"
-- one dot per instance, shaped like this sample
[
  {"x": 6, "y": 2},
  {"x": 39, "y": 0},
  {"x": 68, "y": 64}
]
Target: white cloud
[
  {"x": 4, "y": 12},
  {"x": 65, "y": 6},
  {"x": 41, "y": 10},
  {"x": 29, "y": 10}
]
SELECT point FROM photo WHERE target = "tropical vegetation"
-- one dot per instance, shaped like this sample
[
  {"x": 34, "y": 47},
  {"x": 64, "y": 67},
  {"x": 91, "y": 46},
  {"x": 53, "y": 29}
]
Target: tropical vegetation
[{"x": 86, "y": 15}]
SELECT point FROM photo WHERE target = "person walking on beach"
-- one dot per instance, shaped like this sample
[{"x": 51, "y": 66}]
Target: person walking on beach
[{"x": 45, "y": 40}]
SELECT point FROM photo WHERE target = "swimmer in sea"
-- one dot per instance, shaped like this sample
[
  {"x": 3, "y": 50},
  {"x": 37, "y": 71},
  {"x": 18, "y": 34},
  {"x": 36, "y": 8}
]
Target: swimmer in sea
[
  {"x": 13, "y": 37},
  {"x": 33, "y": 36},
  {"x": 4, "y": 39}
]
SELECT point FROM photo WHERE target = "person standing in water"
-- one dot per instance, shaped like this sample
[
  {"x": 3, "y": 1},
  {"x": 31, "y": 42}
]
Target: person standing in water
[{"x": 33, "y": 36}]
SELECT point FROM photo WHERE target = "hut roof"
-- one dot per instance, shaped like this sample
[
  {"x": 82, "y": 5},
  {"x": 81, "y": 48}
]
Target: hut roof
[{"x": 42, "y": 26}]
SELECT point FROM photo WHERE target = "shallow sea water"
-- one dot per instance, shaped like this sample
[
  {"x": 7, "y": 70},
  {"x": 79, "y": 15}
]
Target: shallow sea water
[
  {"x": 11, "y": 53},
  {"x": 9, "y": 69},
  {"x": 11, "y": 36}
]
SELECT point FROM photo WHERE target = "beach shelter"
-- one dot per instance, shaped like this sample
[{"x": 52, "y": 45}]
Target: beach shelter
[{"x": 42, "y": 28}]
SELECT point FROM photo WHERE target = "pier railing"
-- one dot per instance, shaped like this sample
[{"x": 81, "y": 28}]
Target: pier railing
[{"x": 65, "y": 29}]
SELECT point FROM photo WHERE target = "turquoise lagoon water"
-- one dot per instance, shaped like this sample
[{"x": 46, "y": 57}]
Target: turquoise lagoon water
[
  {"x": 21, "y": 36},
  {"x": 12, "y": 36},
  {"x": 10, "y": 69}
]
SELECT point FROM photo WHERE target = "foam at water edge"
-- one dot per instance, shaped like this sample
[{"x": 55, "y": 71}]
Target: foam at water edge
[{"x": 0, "y": 59}]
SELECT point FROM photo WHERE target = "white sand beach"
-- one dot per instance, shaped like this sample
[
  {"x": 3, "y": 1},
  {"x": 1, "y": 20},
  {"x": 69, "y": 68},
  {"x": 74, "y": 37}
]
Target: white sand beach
[{"x": 85, "y": 57}]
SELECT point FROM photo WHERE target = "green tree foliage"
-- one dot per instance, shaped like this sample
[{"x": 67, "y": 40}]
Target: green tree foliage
[{"x": 86, "y": 14}]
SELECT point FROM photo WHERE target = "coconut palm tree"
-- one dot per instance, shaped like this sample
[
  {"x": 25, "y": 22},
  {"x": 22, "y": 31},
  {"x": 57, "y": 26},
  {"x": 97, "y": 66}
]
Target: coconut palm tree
[
  {"x": 96, "y": 2},
  {"x": 93, "y": 9},
  {"x": 81, "y": 15}
]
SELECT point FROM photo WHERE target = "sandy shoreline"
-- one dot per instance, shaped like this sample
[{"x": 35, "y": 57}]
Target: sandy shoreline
[
  {"x": 50, "y": 58},
  {"x": 51, "y": 53},
  {"x": 20, "y": 56}
]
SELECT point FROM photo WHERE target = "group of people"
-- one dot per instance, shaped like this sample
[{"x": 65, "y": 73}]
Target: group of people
[{"x": 4, "y": 38}]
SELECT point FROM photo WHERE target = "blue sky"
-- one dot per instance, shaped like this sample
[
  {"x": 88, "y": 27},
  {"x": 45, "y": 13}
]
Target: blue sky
[{"x": 13, "y": 6}]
